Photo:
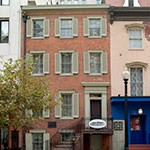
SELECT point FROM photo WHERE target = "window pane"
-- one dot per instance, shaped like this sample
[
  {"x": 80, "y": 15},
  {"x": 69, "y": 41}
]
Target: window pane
[
  {"x": 66, "y": 28},
  {"x": 66, "y": 62},
  {"x": 4, "y": 31},
  {"x": 67, "y": 136},
  {"x": 38, "y": 30},
  {"x": 4, "y": 2},
  {"x": 67, "y": 105},
  {"x": 37, "y": 63},
  {"x": 135, "y": 39},
  {"x": 136, "y": 81},
  {"x": 37, "y": 141},
  {"x": 94, "y": 27},
  {"x": 95, "y": 63}
]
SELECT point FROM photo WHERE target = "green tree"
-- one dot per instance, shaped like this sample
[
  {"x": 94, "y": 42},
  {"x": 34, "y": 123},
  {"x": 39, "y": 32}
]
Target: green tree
[{"x": 21, "y": 92}]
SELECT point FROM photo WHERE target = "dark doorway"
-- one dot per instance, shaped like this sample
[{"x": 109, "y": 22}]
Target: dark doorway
[
  {"x": 95, "y": 109},
  {"x": 86, "y": 138},
  {"x": 137, "y": 128}
]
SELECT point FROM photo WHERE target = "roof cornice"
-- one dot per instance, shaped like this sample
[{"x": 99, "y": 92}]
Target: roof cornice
[
  {"x": 64, "y": 7},
  {"x": 129, "y": 14}
]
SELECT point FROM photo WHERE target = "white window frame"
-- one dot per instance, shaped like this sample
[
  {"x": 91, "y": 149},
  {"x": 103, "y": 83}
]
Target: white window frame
[
  {"x": 58, "y": 26},
  {"x": 70, "y": 131},
  {"x": 103, "y": 26},
  {"x": 103, "y": 58},
  {"x": 58, "y": 62},
  {"x": 136, "y": 67},
  {"x": 59, "y": 101},
  {"x": 43, "y": 24},
  {"x": 46, "y": 61},
  {"x": 46, "y": 137},
  {"x": 46, "y": 27},
  {"x": 136, "y": 39}
]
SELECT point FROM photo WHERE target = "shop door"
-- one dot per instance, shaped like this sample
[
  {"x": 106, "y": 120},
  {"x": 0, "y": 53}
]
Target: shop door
[
  {"x": 137, "y": 128},
  {"x": 95, "y": 109}
]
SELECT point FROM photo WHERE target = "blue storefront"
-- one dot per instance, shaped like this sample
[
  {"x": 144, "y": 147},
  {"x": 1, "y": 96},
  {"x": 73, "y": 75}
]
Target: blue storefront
[{"x": 138, "y": 124}]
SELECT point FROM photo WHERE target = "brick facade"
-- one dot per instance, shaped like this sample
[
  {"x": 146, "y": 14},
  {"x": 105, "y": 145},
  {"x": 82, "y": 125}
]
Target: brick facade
[{"x": 79, "y": 44}]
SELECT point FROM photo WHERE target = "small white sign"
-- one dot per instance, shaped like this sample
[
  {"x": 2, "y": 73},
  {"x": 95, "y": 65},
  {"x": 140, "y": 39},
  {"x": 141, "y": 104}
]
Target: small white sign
[{"x": 97, "y": 123}]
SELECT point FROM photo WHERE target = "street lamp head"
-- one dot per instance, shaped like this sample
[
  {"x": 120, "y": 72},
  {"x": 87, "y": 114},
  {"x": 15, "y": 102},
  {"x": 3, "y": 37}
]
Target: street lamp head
[
  {"x": 125, "y": 74},
  {"x": 140, "y": 111}
]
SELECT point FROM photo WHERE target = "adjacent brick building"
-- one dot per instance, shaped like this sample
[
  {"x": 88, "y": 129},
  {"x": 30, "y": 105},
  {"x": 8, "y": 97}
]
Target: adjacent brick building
[{"x": 70, "y": 44}]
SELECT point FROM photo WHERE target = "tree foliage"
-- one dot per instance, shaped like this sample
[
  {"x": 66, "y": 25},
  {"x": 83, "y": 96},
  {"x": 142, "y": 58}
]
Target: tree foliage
[{"x": 20, "y": 92}]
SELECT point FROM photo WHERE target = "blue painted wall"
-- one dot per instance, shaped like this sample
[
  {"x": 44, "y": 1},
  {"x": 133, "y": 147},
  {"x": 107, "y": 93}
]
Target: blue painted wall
[{"x": 134, "y": 103}]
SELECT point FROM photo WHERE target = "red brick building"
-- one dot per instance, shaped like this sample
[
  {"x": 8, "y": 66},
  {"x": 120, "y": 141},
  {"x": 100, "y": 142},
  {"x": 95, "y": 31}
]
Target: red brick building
[{"x": 70, "y": 44}]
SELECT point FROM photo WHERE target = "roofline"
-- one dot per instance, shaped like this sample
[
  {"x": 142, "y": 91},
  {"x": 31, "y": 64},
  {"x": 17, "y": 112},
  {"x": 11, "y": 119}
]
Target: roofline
[{"x": 62, "y": 7}]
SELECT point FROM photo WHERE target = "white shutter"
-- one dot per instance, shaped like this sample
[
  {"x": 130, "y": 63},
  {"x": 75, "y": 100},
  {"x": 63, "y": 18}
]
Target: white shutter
[
  {"x": 86, "y": 63},
  {"x": 75, "y": 27},
  {"x": 29, "y": 28},
  {"x": 46, "y": 141},
  {"x": 57, "y": 63},
  {"x": 28, "y": 141},
  {"x": 47, "y": 28},
  {"x": 75, "y": 63},
  {"x": 85, "y": 27},
  {"x": 104, "y": 62},
  {"x": 57, "y": 27},
  {"x": 46, "y": 63},
  {"x": 104, "y": 26},
  {"x": 76, "y": 105},
  {"x": 58, "y": 106}
]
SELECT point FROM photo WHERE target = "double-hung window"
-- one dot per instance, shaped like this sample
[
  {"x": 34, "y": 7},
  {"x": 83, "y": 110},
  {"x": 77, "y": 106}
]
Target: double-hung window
[
  {"x": 136, "y": 81},
  {"x": 37, "y": 140},
  {"x": 4, "y": 2},
  {"x": 4, "y": 31},
  {"x": 66, "y": 27},
  {"x": 95, "y": 62},
  {"x": 38, "y": 27},
  {"x": 95, "y": 27},
  {"x": 135, "y": 38},
  {"x": 66, "y": 63},
  {"x": 40, "y": 62},
  {"x": 67, "y": 105}
]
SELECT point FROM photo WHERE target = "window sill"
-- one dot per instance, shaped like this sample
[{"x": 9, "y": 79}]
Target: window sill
[
  {"x": 69, "y": 74},
  {"x": 136, "y": 49},
  {"x": 66, "y": 118},
  {"x": 37, "y": 75},
  {"x": 37, "y": 38}
]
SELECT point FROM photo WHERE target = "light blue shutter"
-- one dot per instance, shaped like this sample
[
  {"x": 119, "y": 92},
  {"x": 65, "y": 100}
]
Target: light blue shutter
[
  {"x": 57, "y": 27},
  {"x": 58, "y": 106},
  {"x": 29, "y": 28},
  {"x": 104, "y": 27},
  {"x": 75, "y": 63},
  {"x": 46, "y": 63},
  {"x": 104, "y": 63},
  {"x": 86, "y": 27},
  {"x": 28, "y": 141},
  {"x": 47, "y": 28},
  {"x": 57, "y": 63},
  {"x": 86, "y": 63},
  {"x": 46, "y": 141},
  {"x": 75, "y": 27},
  {"x": 75, "y": 105}
]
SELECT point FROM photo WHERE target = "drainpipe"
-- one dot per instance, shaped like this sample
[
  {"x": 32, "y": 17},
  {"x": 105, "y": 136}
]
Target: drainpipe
[{"x": 25, "y": 17}]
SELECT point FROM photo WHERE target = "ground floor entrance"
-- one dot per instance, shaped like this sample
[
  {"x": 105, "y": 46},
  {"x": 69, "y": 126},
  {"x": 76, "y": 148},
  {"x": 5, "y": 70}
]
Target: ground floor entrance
[
  {"x": 137, "y": 129},
  {"x": 95, "y": 142}
]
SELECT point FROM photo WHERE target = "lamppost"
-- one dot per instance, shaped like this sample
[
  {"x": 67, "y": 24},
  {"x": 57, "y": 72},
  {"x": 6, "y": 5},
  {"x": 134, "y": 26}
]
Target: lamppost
[{"x": 125, "y": 76}]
